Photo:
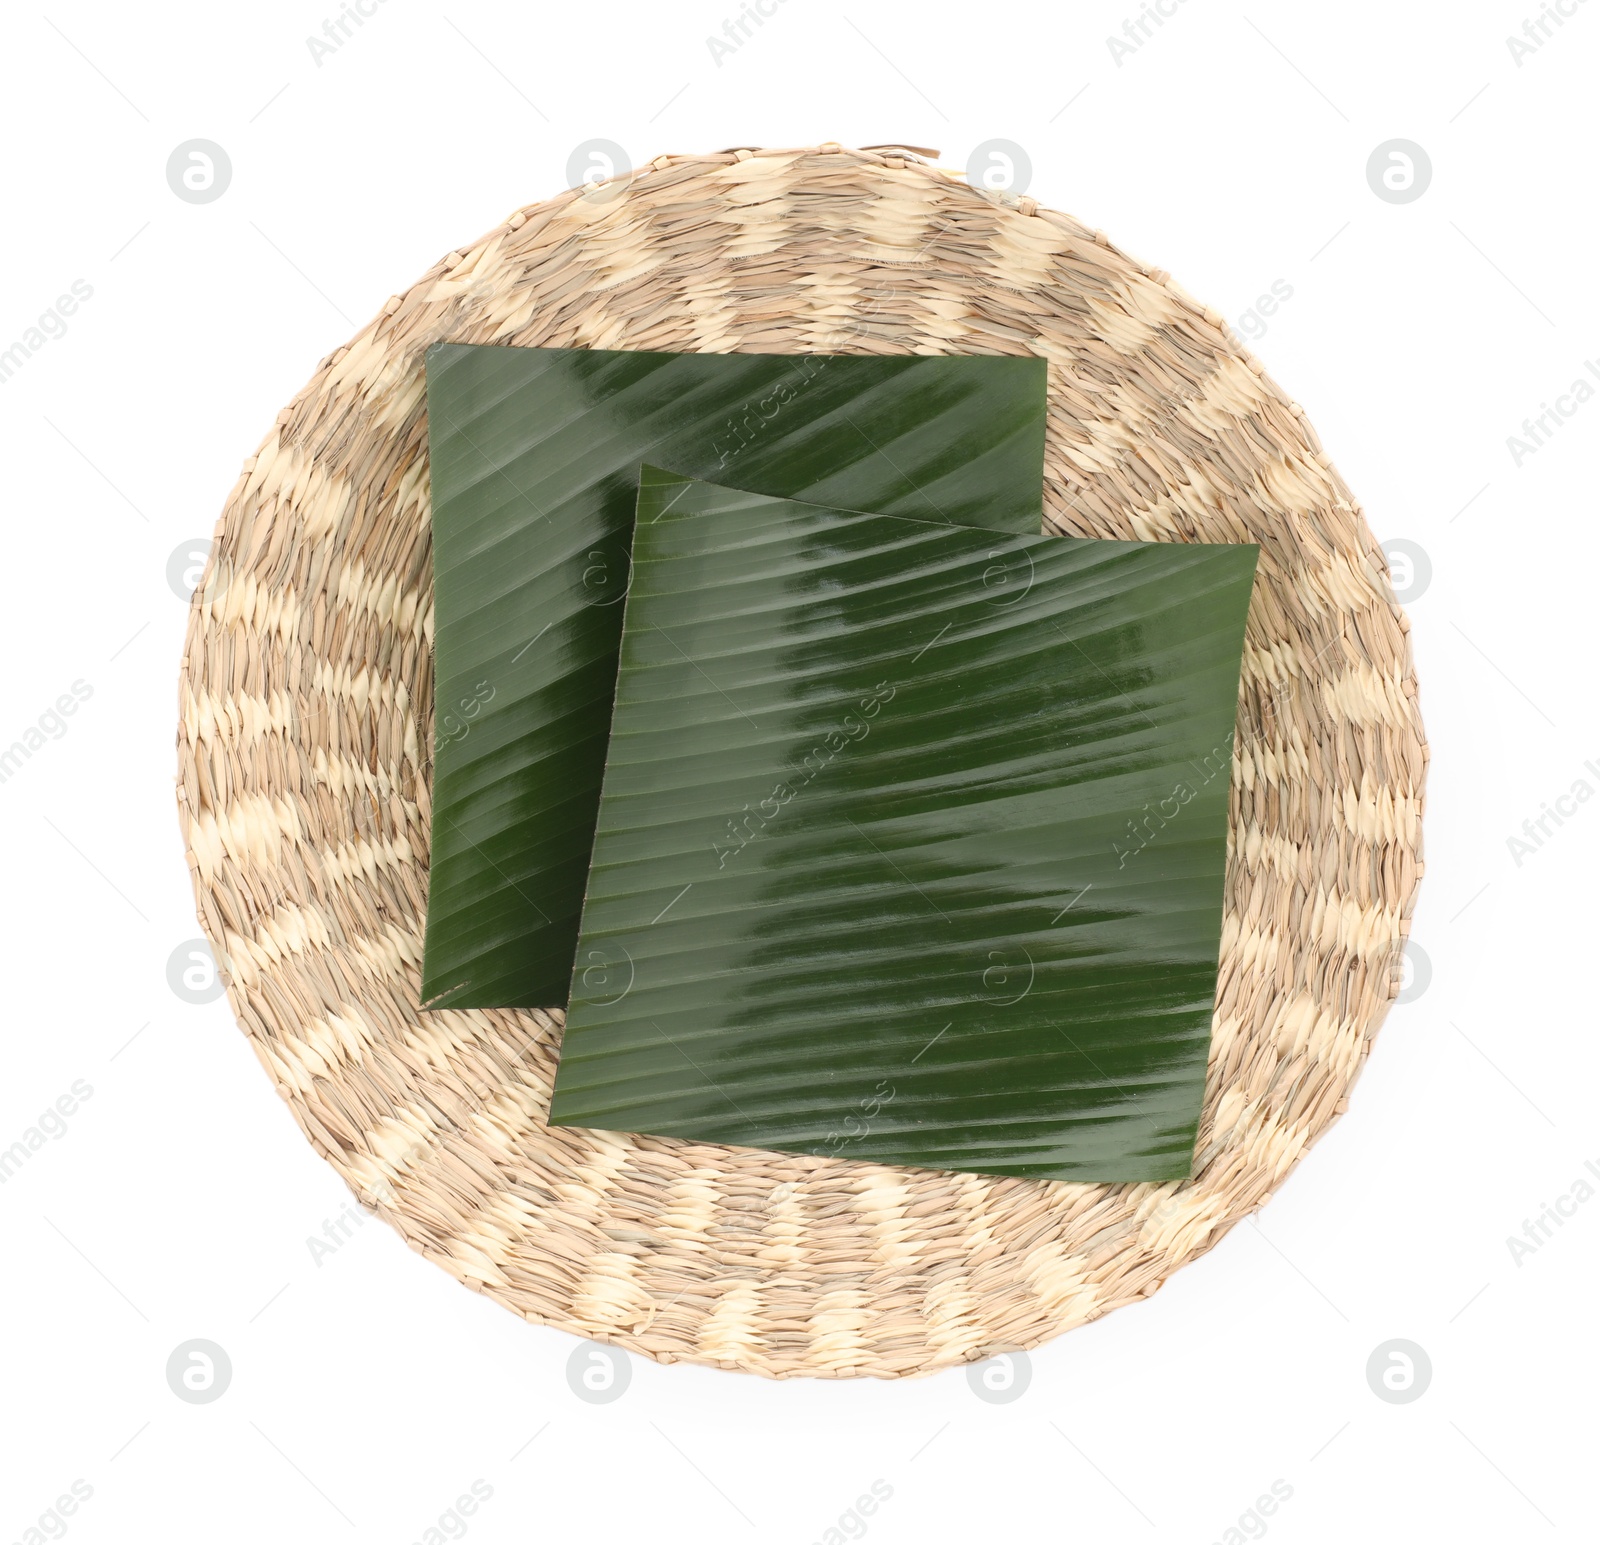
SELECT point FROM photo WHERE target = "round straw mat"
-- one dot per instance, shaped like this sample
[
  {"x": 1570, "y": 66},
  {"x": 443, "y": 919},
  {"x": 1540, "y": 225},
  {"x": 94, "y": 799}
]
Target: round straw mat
[{"x": 304, "y": 771}]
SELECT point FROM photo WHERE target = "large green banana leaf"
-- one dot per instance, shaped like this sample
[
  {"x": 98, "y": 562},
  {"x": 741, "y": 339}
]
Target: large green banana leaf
[
  {"x": 912, "y": 839},
  {"x": 535, "y": 456}
]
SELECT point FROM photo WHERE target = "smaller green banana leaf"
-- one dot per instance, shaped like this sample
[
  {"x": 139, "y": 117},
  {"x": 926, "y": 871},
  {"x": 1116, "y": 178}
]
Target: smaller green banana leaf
[
  {"x": 534, "y": 466},
  {"x": 911, "y": 843}
]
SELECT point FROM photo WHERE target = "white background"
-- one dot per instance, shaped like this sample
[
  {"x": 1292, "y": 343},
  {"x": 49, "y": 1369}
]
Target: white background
[{"x": 370, "y": 1390}]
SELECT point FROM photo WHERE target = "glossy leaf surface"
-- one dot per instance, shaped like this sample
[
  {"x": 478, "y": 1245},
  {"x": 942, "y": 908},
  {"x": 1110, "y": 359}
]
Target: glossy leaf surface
[
  {"x": 912, "y": 841},
  {"x": 534, "y": 464}
]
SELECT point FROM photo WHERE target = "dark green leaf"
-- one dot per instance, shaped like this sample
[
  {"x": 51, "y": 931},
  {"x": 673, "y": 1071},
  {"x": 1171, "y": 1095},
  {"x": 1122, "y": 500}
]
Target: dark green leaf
[
  {"x": 912, "y": 840},
  {"x": 535, "y": 456}
]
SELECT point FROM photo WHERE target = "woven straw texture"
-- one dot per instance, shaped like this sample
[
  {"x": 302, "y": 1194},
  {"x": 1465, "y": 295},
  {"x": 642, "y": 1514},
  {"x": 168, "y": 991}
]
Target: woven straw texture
[{"x": 306, "y": 705}]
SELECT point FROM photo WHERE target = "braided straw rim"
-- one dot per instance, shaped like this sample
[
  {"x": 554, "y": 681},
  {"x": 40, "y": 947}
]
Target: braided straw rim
[{"x": 304, "y": 774}]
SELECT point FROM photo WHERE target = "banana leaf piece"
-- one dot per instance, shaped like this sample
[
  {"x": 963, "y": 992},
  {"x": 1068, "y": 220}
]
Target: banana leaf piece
[
  {"x": 912, "y": 840},
  {"x": 534, "y": 464}
]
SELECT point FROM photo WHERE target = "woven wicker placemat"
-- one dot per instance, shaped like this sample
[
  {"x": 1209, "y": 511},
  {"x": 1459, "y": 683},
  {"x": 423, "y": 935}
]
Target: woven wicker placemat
[{"x": 304, "y": 768}]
